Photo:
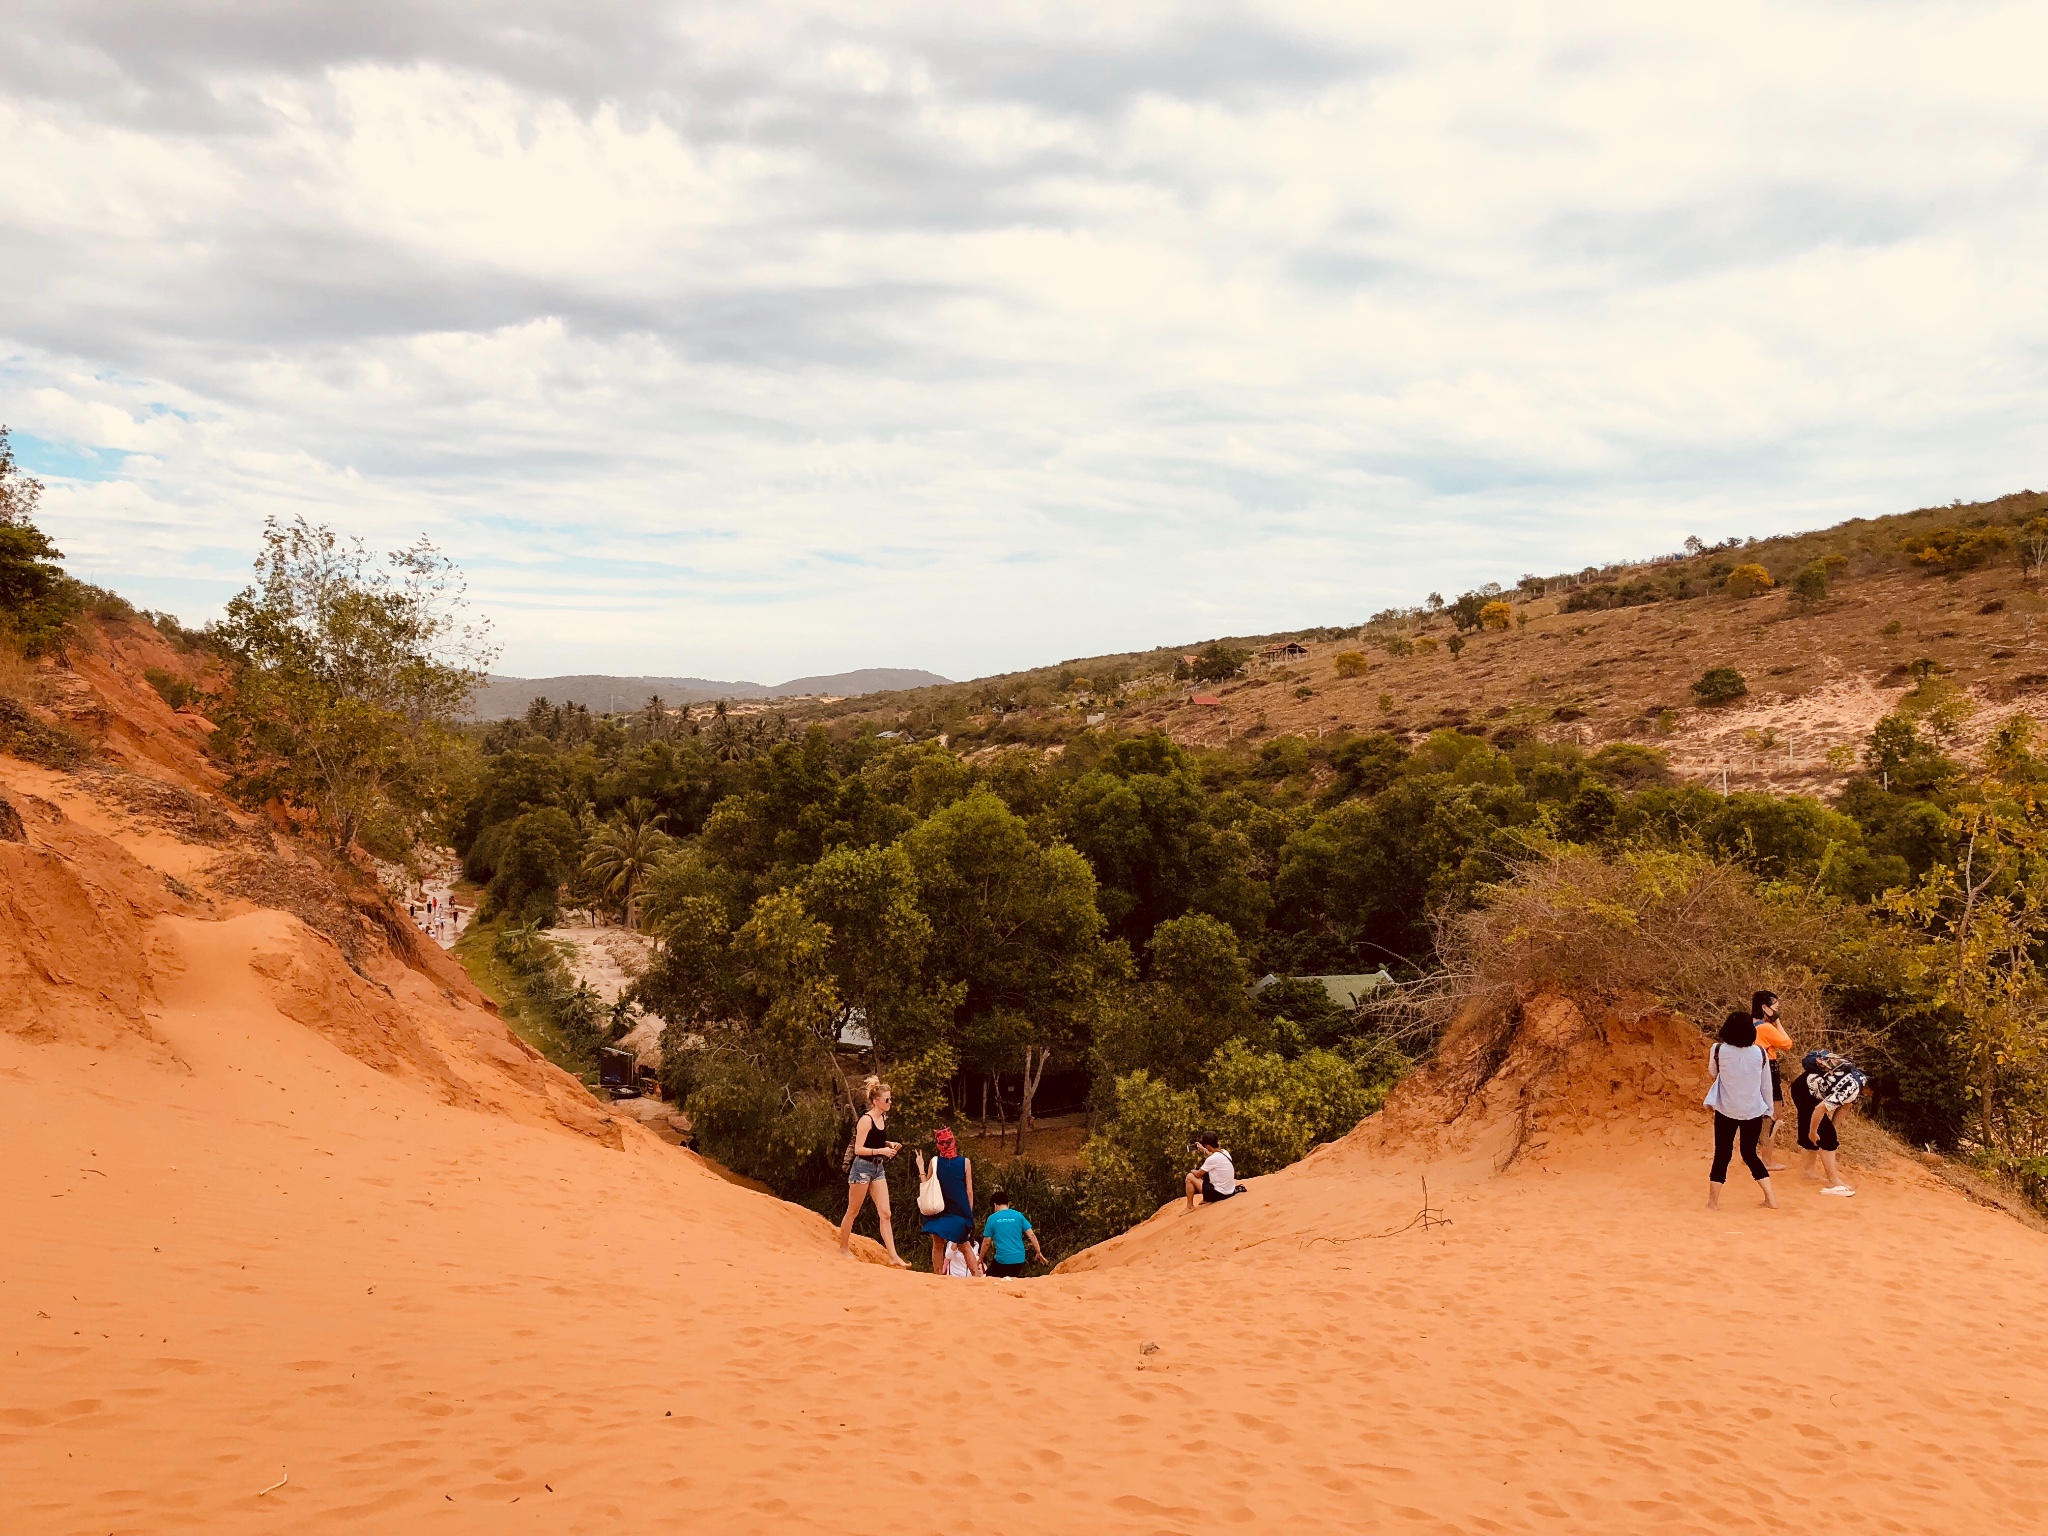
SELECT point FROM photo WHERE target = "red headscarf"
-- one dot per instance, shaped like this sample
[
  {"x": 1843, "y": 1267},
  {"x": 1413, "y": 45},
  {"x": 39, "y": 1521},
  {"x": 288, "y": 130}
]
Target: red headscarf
[{"x": 947, "y": 1146}]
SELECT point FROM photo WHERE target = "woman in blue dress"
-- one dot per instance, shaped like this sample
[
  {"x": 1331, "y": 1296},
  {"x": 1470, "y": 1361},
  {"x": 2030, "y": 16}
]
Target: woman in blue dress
[{"x": 956, "y": 1223}]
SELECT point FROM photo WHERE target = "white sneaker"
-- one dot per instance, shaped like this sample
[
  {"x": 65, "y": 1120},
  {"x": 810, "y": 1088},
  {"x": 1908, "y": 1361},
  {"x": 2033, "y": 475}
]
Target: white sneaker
[{"x": 1838, "y": 1189}]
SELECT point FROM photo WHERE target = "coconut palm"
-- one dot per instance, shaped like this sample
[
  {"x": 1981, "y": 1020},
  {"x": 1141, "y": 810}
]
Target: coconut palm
[{"x": 624, "y": 850}]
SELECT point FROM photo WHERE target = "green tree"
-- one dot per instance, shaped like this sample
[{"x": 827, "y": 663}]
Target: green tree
[
  {"x": 1720, "y": 685},
  {"x": 1015, "y": 926},
  {"x": 30, "y": 578},
  {"x": 623, "y": 853},
  {"x": 350, "y": 676}
]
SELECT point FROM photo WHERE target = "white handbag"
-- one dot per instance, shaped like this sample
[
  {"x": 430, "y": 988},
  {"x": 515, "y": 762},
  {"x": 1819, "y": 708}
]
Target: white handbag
[{"x": 931, "y": 1200}]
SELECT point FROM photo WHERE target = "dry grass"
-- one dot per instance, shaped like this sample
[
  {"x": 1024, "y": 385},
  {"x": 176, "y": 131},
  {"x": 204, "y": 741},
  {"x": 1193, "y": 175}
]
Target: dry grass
[
  {"x": 17, "y": 672},
  {"x": 1682, "y": 928}
]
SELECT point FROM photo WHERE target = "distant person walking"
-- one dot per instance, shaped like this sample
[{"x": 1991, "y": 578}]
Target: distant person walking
[
  {"x": 867, "y": 1172},
  {"x": 956, "y": 1181},
  {"x": 1763, "y": 1012},
  {"x": 1003, "y": 1237},
  {"x": 1740, "y": 1098},
  {"x": 1818, "y": 1142}
]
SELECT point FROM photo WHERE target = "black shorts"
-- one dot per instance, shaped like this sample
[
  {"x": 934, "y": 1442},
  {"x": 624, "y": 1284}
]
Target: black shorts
[
  {"x": 1210, "y": 1194},
  {"x": 1777, "y": 1088},
  {"x": 1824, "y": 1138},
  {"x": 1008, "y": 1271}
]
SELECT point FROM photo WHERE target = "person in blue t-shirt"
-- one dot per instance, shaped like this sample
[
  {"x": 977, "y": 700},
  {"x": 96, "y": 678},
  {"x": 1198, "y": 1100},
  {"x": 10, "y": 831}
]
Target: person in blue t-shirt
[{"x": 1003, "y": 1237}]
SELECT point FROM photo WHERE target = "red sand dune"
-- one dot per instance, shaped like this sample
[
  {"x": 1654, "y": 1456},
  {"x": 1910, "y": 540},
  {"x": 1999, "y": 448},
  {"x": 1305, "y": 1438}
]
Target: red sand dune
[{"x": 269, "y": 1214}]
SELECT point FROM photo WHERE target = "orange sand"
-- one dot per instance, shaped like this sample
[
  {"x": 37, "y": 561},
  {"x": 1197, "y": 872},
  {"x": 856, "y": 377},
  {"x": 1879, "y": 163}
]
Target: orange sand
[{"x": 267, "y": 1214}]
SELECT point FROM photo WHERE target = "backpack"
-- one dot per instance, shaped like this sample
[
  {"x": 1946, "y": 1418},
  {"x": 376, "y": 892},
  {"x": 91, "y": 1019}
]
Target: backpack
[{"x": 1838, "y": 1085}]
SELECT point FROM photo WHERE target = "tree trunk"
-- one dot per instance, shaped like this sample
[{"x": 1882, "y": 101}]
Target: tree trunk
[
  {"x": 984, "y": 1109},
  {"x": 1034, "y": 1072}
]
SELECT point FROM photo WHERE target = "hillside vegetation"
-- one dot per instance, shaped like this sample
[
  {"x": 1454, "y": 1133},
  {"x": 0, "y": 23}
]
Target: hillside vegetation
[{"x": 994, "y": 895}]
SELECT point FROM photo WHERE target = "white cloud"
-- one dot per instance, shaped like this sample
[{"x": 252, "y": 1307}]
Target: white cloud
[{"x": 753, "y": 341}]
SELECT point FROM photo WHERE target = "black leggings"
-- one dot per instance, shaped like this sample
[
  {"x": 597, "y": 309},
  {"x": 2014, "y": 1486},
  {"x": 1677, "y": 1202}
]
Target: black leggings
[{"x": 1725, "y": 1133}]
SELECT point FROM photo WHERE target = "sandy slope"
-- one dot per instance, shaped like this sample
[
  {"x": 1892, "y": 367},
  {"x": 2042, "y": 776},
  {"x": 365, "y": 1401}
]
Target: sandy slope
[
  {"x": 275, "y": 1256},
  {"x": 282, "y": 1196}
]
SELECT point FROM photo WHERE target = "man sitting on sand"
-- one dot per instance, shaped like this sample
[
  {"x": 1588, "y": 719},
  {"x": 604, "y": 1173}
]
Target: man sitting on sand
[
  {"x": 1003, "y": 1236},
  {"x": 1216, "y": 1178}
]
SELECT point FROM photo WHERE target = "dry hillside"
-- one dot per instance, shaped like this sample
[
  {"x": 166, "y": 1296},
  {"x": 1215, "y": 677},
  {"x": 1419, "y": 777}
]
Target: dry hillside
[
  {"x": 1819, "y": 674},
  {"x": 301, "y": 1240}
]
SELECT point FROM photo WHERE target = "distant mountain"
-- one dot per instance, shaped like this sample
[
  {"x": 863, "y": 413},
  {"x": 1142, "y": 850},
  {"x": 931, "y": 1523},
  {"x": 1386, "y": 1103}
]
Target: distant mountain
[{"x": 502, "y": 697}]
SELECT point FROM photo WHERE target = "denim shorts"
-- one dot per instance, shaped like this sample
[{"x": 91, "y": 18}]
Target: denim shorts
[{"x": 868, "y": 1170}]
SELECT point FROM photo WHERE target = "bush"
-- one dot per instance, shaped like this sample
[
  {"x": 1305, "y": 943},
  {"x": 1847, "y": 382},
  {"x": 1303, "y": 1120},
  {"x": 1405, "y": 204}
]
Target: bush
[
  {"x": 1133, "y": 1164},
  {"x": 1748, "y": 581},
  {"x": 1811, "y": 584},
  {"x": 1955, "y": 549},
  {"x": 1627, "y": 765},
  {"x": 552, "y": 997},
  {"x": 1351, "y": 664},
  {"x": 1267, "y": 1110},
  {"x": 27, "y": 737},
  {"x": 1720, "y": 685},
  {"x": 745, "y": 1117},
  {"x": 1497, "y": 616},
  {"x": 1689, "y": 929},
  {"x": 173, "y": 690},
  {"x": 535, "y": 856},
  {"x": 1214, "y": 663}
]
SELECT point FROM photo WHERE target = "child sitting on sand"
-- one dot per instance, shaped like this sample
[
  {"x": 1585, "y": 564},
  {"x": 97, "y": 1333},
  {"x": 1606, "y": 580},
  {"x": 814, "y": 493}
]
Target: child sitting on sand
[{"x": 1003, "y": 1236}]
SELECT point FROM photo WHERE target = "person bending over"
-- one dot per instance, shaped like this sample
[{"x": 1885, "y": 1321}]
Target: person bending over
[
  {"x": 1216, "y": 1178},
  {"x": 1003, "y": 1237},
  {"x": 1817, "y": 1139}
]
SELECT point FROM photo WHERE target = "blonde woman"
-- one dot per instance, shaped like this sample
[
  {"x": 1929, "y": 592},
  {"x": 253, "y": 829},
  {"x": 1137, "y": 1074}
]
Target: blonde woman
[{"x": 869, "y": 1172}]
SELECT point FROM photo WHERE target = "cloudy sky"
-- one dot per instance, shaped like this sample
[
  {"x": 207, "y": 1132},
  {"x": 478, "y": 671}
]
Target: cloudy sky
[{"x": 755, "y": 340}]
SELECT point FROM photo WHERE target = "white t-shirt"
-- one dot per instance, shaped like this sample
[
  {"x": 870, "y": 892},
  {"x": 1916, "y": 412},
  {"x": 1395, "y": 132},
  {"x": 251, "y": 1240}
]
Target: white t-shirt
[
  {"x": 1222, "y": 1175},
  {"x": 956, "y": 1262}
]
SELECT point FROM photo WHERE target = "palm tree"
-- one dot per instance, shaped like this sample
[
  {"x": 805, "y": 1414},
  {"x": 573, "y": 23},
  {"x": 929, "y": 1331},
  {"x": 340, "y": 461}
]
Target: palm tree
[{"x": 624, "y": 850}]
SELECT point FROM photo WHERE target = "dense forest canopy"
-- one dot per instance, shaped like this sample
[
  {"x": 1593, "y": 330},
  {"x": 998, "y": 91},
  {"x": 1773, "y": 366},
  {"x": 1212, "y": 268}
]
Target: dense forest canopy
[{"x": 1106, "y": 908}]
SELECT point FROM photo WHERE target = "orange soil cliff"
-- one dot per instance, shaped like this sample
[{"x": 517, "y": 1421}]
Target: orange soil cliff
[{"x": 286, "y": 1206}]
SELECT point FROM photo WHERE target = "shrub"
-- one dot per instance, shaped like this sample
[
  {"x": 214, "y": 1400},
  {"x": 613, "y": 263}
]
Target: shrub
[
  {"x": 1456, "y": 644},
  {"x": 29, "y": 738},
  {"x": 173, "y": 690},
  {"x": 1351, "y": 664},
  {"x": 1683, "y": 927},
  {"x": 1811, "y": 584},
  {"x": 1268, "y": 1111},
  {"x": 1497, "y": 616},
  {"x": 1748, "y": 581},
  {"x": 1955, "y": 549},
  {"x": 1213, "y": 663},
  {"x": 1626, "y": 765},
  {"x": 1720, "y": 685}
]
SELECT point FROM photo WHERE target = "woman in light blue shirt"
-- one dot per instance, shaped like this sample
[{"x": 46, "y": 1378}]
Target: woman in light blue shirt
[{"x": 1741, "y": 1101}]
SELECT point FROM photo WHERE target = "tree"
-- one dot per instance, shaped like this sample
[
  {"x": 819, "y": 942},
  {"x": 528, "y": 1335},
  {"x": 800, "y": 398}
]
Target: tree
[
  {"x": 1016, "y": 926},
  {"x": 29, "y": 574},
  {"x": 534, "y": 857},
  {"x": 2034, "y": 546},
  {"x": 350, "y": 676},
  {"x": 1720, "y": 685},
  {"x": 623, "y": 853},
  {"x": 1748, "y": 580}
]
